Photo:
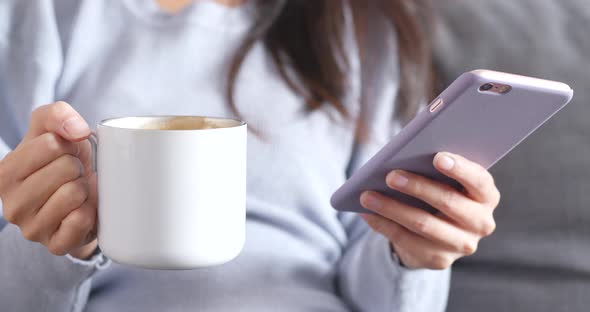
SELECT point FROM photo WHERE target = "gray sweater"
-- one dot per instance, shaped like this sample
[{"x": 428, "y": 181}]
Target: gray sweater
[
  {"x": 539, "y": 257},
  {"x": 126, "y": 57}
]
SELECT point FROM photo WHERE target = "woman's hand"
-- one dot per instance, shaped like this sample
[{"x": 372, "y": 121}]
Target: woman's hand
[
  {"x": 435, "y": 241},
  {"x": 47, "y": 185}
]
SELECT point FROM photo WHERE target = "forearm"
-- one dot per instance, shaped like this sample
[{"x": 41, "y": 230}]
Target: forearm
[{"x": 31, "y": 277}]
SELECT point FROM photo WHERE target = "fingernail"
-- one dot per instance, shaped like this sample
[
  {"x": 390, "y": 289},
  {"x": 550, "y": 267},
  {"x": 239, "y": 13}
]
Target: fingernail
[
  {"x": 398, "y": 179},
  {"x": 445, "y": 162},
  {"x": 76, "y": 127},
  {"x": 370, "y": 201}
]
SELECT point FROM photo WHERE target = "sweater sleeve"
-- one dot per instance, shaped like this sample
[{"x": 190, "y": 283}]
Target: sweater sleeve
[
  {"x": 370, "y": 275},
  {"x": 32, "y": 279},
  {"x": 372, "y": 279}
]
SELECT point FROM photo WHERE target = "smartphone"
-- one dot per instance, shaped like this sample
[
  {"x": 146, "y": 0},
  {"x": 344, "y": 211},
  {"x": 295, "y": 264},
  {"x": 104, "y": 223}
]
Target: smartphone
[{"x": 482, "y": 116}]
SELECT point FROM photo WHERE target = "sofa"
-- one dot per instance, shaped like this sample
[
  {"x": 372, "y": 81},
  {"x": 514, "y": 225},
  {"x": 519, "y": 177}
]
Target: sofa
[{"x": 539, "y": 257}]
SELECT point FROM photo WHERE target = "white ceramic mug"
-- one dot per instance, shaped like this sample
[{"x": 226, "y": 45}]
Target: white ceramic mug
[{"x": 172, "y": 190}]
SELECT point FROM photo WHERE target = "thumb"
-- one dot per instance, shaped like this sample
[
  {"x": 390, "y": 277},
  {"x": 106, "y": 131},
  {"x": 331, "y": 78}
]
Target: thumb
[{"x": 59, "y": 118}]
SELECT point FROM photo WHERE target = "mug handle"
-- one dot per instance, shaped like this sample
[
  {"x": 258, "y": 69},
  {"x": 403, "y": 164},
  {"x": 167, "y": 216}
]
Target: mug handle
[{"x": 93, "y": 139}]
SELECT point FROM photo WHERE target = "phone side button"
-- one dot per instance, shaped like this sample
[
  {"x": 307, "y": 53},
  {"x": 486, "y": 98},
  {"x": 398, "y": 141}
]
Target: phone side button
[{"x": 434, "y": 106}]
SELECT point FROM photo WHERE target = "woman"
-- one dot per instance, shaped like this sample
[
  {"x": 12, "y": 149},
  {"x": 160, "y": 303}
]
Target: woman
[{"x": 317, "y": 80}]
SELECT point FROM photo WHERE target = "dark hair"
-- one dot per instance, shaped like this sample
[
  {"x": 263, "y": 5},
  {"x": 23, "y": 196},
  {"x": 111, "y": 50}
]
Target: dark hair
[{"x": 305, "y": 38}]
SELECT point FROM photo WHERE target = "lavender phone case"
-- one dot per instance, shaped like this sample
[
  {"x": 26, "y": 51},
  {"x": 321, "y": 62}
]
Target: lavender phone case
[{"x": 480, "y": 126}]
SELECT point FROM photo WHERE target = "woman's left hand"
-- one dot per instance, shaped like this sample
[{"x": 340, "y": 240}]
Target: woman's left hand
[{"x": 434, "y": 241}]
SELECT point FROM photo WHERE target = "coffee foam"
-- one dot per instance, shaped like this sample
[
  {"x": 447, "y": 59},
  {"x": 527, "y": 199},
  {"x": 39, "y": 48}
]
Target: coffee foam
[{"x": 172, "y": 123}]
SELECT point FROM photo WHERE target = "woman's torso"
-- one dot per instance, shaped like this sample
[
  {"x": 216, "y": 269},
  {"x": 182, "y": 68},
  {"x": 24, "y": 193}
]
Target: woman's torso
[{"x": 124, "y": 58}]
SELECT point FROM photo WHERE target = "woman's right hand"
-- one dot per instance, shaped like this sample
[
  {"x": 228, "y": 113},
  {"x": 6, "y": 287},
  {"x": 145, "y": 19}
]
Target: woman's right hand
[{"x": 47, "y": 185}]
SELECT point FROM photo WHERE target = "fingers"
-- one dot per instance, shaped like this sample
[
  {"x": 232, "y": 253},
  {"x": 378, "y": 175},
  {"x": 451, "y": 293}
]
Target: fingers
[
  {"x": 435, "y": 241},
  {"x": 60, "y": 118},
  {"x": 36, "y": 153},
  {"x": 468, "y": 213},
  {"x": 36, "y": 189},
  {"x": 422, "y": 223},
  {"x": 67, "y": 198},
  {"x": 441, "y": 196},
  {"x": 476, "y": 180},
  {"x": 471, "y": 215},
  {"x": 414, "y": 250},
  {"x": 43, "y": 184},
  {"x": 76, "y": 230}
]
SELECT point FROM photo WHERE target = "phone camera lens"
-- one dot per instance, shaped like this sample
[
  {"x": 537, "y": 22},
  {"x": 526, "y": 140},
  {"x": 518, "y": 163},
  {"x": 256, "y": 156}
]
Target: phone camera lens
[{"x": 486, "y": 87}]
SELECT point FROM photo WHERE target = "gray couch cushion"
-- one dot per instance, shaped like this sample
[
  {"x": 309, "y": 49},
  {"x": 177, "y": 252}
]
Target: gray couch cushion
[{"x": 539, "y": 258}]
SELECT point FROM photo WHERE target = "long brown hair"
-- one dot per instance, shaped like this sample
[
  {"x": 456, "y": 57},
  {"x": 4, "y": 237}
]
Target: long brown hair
[{"x": 305, "y": 38}]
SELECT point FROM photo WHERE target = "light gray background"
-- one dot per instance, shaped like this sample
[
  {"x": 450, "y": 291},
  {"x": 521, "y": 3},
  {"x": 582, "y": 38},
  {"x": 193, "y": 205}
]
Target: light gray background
[{"x": 539, "y": 257}]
